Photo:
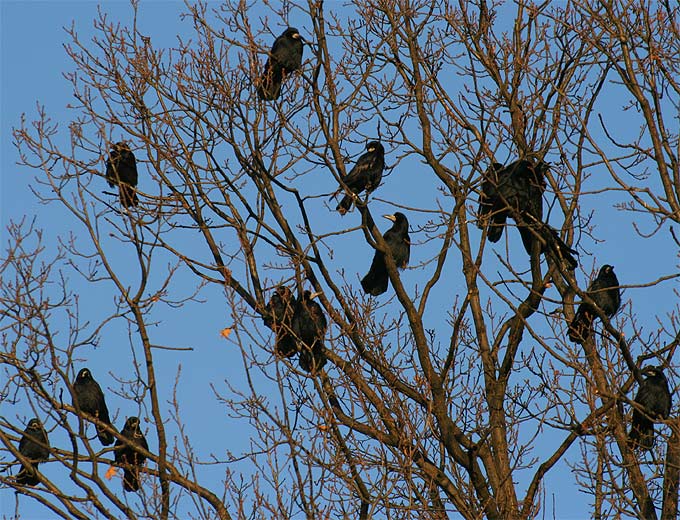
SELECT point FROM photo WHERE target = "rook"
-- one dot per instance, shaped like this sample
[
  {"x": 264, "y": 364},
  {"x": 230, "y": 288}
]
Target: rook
[
  {"x": 399, "y": 244},
  {"x": 89, "y": 398}
]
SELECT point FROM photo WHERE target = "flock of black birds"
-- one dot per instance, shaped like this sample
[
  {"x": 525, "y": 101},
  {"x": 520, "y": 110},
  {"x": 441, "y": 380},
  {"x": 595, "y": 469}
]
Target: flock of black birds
[
  {"x": 88, "y": 399},
  {"x": 299, "y": 324}
]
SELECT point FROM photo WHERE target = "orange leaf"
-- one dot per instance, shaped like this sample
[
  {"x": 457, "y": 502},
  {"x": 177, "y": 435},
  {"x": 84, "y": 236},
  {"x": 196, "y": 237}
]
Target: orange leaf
[
  {"x": 225, "y": 332},
  {"x": 110, "y": 473}
]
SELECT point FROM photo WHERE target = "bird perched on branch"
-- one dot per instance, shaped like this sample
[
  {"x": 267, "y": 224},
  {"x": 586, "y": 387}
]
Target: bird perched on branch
[
  {"x": 89, "y": 398},
  {"x": 309, "y": 328},
  {"x": 605, "y": 293},
  {"x": 284, "y": 58},
  {"x": 365, "y": 176},
  {"x": 516, "y": 191},
  {"x": 279, "y": 317},
  {"x": 127, "y": 456},
  {"x": 34, "y": 446},
  {"x": 399, "y": 244},
  {"x": 654, "y": 400},
  {"x": 121, "y": 171}
]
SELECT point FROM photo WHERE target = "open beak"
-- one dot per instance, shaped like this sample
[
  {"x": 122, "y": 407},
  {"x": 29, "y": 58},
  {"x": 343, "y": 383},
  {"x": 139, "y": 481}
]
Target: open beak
[{"x": 390, "y": 217}]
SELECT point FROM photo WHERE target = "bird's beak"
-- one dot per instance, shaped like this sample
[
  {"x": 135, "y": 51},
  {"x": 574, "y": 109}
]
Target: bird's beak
[
  {"x": 371, "y": 149},
  {"x": 390, "y": 217},
  {"x": 314, "y": 295}
]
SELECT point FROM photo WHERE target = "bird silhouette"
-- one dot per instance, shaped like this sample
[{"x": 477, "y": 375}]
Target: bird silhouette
[
  {"x": 399, "y": 244},
  {"x": 89, "y": 398},
  {"x": 654, "y": 400},
  {"x": 364, "y": 176},
  {"x": 605, "y": 293},
  {"x": 121, "y": 171},
  {"x": 285, "y": 57}
]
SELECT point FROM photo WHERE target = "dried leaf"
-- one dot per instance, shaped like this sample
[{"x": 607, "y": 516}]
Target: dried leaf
[
  {"x": 226, "y": 332},
  {"x": 110, "y": 472}
]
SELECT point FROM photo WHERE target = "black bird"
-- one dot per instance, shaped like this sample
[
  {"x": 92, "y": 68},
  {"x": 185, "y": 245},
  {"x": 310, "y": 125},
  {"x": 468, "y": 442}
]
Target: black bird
[
  {"x": 121, "y": 171},
  {"x": 88, "y": 396},
  {"x": 284, "y": 58},
  {"x": 492, "y": 209},
  {"x": 279, "y": 317},
  {"x": 605, "y": 293},
  {"x": 399, "y": 243},
  {"x": 35, "y": 446},
  {"x": 309, "y": 327},
  {"x": 127, "y": 456},
  {"x": 654, "y": 400},
  {"x": 516, "y": 191},
  {"x": 365, "y": 175}
]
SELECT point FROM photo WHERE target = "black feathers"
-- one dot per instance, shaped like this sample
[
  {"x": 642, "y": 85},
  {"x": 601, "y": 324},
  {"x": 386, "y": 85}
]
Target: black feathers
[
  {"x": 279, "y": 318},
  {"x": 365, "y": 176},
  {"x": 309, "y": 326},
  {"x": 121, "y": 171},
  {"x": 299, "y": 325},
  {"x": 284, "y": 58},
  {"x": 35, "y": 446},
  {"x": 399, "y": 243},
  {"x": 90, "y": 399},
  {"x": 127, "y": 456},
  {"x": 654, "y": 400},
  {"x": 605, "y": 293},
  {"x": 516, "y": 191}
]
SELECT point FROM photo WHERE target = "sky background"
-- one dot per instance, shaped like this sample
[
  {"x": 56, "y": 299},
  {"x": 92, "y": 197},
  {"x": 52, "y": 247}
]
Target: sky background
[{"x": 33, "y": 61}]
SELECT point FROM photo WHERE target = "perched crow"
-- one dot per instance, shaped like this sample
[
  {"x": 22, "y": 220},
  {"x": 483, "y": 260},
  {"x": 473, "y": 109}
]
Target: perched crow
[
  {"x": 605, "y": 292},
  {"x": 365, "y": 176},
  {"x": 121, "y": 171},
  {"x": 90, "y": 399},
  {"x": 284, "y": 58},
  {"x": 492, "y": 210},
  {"x": 279, "y": 317},
  {"x": 654, "y": 399},
  {"x": 127, "y": 457},
  {"x": 516, "y": 191},
  {"x": 35, "y": 446},
  {"x": 309, "y": 327},
  {"x": 399, "y": 243}
]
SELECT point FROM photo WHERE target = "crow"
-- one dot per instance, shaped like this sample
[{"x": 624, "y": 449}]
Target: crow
[
  {"x": 516, "y": 191},
  {"x": 284, "y": 58},
  {"x": 365, "y": 176},
  {"x": 121, "y": 171},
  {"x": 89, "y": 398},
  {"x": 654, "y": 400},
  {"x": 127, "y": 456},
  {"x": 35, "y": 446},
  {"x": 309, "y": 328},
  {"x": 399, "y": 244},
  {"x": 605, "y": 293},
  {"x": 279, "y": 317}
]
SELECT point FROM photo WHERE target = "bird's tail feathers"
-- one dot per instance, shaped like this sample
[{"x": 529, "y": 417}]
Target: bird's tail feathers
[
  {"x": 28, "y": 476},
  {"x": 105, "y": 437},
  {"x": 131, "y": 479},
  {"x": 128, "y": 196},
  {"x": 579, "y": 328},
  {"x": 345, "y": 205},
  {"x": 641, "y": 433}
]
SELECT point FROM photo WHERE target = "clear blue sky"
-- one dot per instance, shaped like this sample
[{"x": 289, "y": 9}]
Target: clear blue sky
[{"x": 33, "y": 60}]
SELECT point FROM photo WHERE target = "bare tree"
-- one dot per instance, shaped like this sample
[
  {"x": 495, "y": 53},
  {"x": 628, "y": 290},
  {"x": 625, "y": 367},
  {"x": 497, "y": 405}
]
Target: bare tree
[{"x": 457, "y": 393}]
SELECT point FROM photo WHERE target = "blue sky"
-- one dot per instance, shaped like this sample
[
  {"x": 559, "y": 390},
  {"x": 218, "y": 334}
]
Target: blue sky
[{"x": 33, "y": 62}]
